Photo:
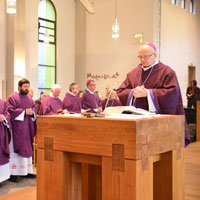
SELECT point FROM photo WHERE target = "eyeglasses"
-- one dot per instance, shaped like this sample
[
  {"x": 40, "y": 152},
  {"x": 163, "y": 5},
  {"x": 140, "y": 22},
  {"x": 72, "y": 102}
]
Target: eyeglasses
[{"x": 145, "y": 57}]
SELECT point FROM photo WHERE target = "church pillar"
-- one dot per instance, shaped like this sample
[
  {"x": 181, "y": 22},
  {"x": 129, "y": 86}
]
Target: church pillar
[
  {"x": 15, "y": 47},
  {"x": 80, "y": 44},
  {"x": 10, "y": 18}
]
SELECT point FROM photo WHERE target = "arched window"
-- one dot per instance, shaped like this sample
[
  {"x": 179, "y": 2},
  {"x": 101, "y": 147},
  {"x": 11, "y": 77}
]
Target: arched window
[
  {"x": 46, "y": 46},
  {"x": 192, "y": 6},
  {"x": 183, "y": 4},
  {"x": 175, "y": 2}
]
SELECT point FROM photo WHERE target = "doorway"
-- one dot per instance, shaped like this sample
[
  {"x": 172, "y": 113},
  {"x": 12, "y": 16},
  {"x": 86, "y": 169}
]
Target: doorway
[{"x": 191, "y": 74}]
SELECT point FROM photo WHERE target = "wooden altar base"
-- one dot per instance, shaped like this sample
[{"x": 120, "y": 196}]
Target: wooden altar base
[{"x": 94, "y": 159}]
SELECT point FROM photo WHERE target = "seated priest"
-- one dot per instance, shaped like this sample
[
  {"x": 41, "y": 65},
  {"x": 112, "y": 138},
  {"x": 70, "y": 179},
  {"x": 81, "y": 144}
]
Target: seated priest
[
  {"x": 52, "y": 105},
  {"x": 71, "y": 101},
  {"x": 90, "y": 100},
  {"x": 4, "y": 143},
  {"x": 22, "y": 112},
  {"x": 152, "y": 86},
  {"x": 111, "y": 100}
]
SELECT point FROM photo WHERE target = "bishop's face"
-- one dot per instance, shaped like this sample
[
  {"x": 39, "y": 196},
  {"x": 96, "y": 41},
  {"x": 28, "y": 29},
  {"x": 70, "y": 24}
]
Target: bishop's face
[
  {"x": 92, "y": 86},
  {"x": 75, "y": 89},
  {"x": 24, "y": 89},
  {"x": 147, "y": 56},
  {"x": 56, "y": 92}
]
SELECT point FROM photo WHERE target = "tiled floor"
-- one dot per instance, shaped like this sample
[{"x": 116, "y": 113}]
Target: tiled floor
[{"x": 9, "y": 187}]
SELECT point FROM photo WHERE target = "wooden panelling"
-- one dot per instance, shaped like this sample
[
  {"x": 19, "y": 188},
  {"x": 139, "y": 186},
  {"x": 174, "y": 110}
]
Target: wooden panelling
[
  {"x": 95, "y": 136},
  {"x": 48, "y": 149},
  {"x": 198, "y": 121},
  {"x": 83, "y": 158},
  {"x": 116, "y": 157},
  {"x": 192, "y": 178},
  {"x": 192, "y": 171},
  {"x": 117, "y": 185},
  {"x": 90, "y": 136},
  {"x": 53, "y": 177},
  {"x": 162, "y": 177},
  {"x": 144, "y": 180},
  {"x": 91, "y": 182}
]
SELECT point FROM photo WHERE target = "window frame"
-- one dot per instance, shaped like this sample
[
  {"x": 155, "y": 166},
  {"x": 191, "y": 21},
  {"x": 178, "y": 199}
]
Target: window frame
[{"x": 50, "y": 43}]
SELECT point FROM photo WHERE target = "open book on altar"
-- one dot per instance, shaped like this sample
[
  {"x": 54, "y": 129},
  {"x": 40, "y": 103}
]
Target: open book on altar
[{"x": 127, "y": 110}]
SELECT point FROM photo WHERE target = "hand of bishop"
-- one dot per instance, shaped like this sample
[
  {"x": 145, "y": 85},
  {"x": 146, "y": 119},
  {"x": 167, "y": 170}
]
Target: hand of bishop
[
  {"x": 2, "y": 118},
  {"x": 29, "y": 111},
  {"x": 140, "y": 91}
]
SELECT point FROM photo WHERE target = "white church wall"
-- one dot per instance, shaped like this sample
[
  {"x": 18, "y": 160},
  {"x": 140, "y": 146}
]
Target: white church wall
[
  {"x": 3, "y": 49},
  {"x": 106, "y": 56},
  {"x": 180, "y": 41},
  {"x": 65, "y": 43}
]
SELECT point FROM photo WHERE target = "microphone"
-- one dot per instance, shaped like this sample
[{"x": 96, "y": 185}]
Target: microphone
[{"x": 109, "y": 95}]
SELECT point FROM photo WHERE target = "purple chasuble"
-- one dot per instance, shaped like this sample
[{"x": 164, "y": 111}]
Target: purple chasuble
[
  {"x": 111, "y": 103},
  {"x": 90, "y": 101},
  {"x": 23, "y": 131},
  {"x": 51, "y": 105},
  {"x": 72, "y": 103},
  {"x": 4, "y": 135},
  {"x": 163, "y": 87}
]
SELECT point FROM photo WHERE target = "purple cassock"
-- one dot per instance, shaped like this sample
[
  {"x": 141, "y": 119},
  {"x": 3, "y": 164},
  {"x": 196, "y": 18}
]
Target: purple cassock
[
  {"x": 25, "y": 129},
  {"x": 90, "y": 101},
  {"x": 51, "y": 106},
  {"x": 4, "y": 135},
  {"x": 111, "y": 103},
  {"x": 72, "y": 103},
  {"x": 163, "y": 88}
]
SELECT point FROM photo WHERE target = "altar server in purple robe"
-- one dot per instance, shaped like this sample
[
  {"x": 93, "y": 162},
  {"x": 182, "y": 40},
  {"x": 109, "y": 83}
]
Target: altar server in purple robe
[
  {"x": 52, "y": 105},
  {"x": 4, "y": 142},
  {"x": 71, "y": 101},
  {"x": 152, "y": 86},
  {"x": 90, "y": 100},
  {"x": 111, "y": 100},
  {"x": 21, "y": 109}
]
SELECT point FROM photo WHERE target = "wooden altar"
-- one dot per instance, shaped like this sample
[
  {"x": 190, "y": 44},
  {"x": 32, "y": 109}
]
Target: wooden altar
[{"x": 110, "y": 159}]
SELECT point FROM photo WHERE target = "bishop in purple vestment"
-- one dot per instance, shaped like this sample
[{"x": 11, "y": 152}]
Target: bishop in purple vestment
[
  {"x": 71, "y": 101},
  {"x": 4, "y": 142},
  {"x": 152, "y": 86},
  {"x": 22, "y": 111},
  {"x": 90, "y": 100},
  {"x": 52, "y": 105}
]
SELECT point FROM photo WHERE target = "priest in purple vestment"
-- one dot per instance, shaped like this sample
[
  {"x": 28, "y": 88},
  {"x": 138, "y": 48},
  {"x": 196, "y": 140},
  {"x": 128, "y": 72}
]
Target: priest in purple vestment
[
  {"x": 90, "y": 100},
  {"x": 111, "y": 100},
  {"x": 52, "y": 105},
  {"x": 152, "y": 86},
  {"x": 71, "y": 101},
  {"x": 4, "y": 142},
  {"x": 21, "y": 109}
]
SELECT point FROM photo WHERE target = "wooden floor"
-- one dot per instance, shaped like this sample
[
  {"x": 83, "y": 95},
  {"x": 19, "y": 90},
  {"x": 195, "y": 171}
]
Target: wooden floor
[
  {"x": 192, "y": 178},
  {"x": 192, "y": 172},
  {"x": 25, "y": 194}
]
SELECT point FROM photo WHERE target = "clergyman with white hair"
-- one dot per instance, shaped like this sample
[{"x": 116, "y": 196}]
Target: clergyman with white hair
[
  {"x": 152, "y": 86},
  {"x": 52, "y": 105}
]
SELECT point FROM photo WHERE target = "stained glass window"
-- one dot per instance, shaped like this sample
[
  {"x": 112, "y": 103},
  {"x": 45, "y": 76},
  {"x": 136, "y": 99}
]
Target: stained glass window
[
  {"x": 175, "y": 2},
  {"x": 183, "y": 4},
  {"x": 192, "y": 6},
  {"x": 46, "y": 46}
]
